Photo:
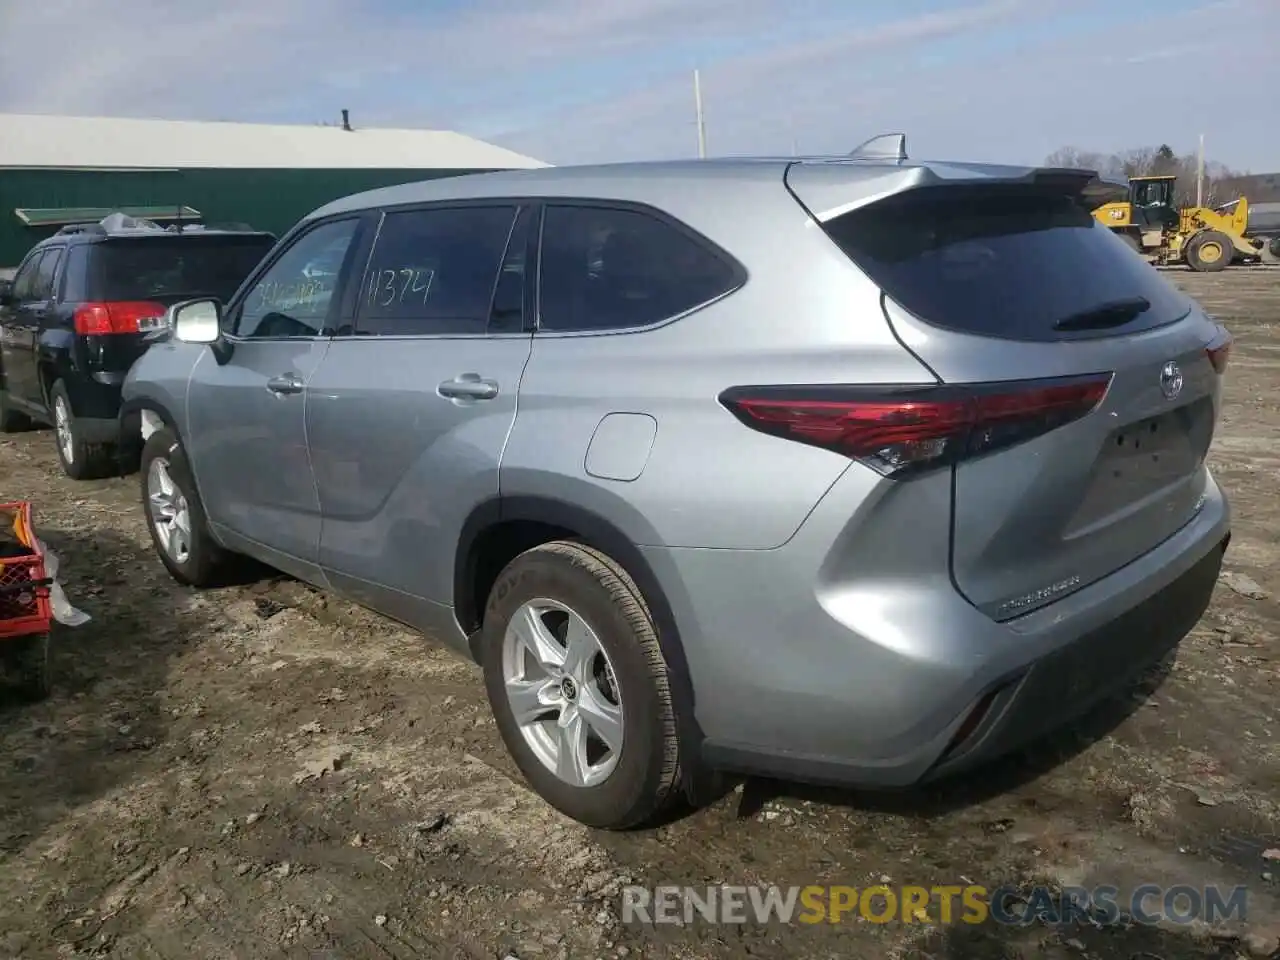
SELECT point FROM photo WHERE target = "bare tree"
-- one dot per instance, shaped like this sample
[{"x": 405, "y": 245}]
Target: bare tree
[{"x": 1154, "y": 161}]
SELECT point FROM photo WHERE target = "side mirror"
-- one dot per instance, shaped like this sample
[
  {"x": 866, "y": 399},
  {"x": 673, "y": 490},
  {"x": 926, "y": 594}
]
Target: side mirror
[{"x": 196, "y": 321}]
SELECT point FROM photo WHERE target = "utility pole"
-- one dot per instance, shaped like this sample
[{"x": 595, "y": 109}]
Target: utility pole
[
  {"x": 702, "y": 127},
  {"x": 1200, "y": 174}
]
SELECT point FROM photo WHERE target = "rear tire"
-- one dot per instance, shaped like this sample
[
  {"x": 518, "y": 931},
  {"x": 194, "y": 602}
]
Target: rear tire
[
  {"x": 80, "y": 459},
  {"x": 26, "y": 659},
  {"x": 620, "y": 684},
  {"x": 176, "y": 518},
  {"x": 1210, "y": 251}
]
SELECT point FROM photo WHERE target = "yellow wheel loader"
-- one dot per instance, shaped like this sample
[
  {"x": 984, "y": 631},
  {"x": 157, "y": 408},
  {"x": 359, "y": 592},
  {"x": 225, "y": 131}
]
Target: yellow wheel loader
[{"x": 1204, "y": 238}]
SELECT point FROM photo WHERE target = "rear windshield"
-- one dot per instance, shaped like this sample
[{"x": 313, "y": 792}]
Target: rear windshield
[
  {"x": 1007, "y": 262},
  {"x": 139, "y": 268}
]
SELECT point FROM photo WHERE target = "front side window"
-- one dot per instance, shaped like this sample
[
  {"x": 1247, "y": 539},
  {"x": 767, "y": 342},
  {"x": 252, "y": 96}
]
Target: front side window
[
  {"x": 24, "y": 283},
  {"x": 293, "y": 298},
  {"x": 434, "y": 271},
  {"x": 605, "y": 268}
]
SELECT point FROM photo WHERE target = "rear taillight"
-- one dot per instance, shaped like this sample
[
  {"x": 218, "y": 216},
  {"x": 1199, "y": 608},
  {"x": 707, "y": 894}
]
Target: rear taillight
[
  {"x": 128, "y": 316},
  {"x": 902, "y": 430},
  {"x": 1219, "y": 351}
]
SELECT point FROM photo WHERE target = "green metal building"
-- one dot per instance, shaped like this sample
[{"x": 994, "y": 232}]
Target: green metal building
[{"x": 60, "y": 170}]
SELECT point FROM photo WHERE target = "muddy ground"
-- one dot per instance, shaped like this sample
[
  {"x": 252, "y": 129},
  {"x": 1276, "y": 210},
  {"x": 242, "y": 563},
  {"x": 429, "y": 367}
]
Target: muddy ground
[{"x": 259, "y": 772}]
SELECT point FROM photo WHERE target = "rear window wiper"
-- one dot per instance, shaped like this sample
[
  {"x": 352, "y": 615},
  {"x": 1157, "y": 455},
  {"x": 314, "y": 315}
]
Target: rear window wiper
[{"x": 1114, "y": 313}]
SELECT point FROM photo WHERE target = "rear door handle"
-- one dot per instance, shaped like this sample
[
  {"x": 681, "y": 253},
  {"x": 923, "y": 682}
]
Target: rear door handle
[
  {"x": 284, "y": 384},
  {"x": 468, "y": 386}
]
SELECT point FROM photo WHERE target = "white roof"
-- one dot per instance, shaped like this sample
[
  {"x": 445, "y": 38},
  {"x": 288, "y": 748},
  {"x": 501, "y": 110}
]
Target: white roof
[{"x": 29, "y": 140}]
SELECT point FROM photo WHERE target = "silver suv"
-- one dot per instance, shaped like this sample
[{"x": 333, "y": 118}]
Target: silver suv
[{"x": 855, "y": 470}]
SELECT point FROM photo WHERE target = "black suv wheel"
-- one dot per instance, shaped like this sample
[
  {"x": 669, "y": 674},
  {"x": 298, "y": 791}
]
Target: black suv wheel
[{"x": 81, "y": 460}]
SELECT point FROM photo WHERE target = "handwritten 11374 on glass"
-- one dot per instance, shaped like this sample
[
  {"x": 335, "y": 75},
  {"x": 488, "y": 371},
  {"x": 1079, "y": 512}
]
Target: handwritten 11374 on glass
[{"x": 388, "y": 288}]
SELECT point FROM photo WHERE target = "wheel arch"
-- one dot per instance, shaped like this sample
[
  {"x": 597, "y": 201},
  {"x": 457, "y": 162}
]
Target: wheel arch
[
  {"x": 499, "y": 529},
  {"x": 136, "y": 412}
]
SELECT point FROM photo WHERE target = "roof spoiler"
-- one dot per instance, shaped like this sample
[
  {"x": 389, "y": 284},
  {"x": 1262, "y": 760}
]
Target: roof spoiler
[
  {"x": 886, "y": 146},
  {"x": 1093, "y": 189}
]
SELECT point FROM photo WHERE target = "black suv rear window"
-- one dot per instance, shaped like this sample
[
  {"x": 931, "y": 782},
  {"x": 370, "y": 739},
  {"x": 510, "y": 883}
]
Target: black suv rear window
[
  {"x": 1006, "y": 261},
  {"x": 148, "y": 268}
]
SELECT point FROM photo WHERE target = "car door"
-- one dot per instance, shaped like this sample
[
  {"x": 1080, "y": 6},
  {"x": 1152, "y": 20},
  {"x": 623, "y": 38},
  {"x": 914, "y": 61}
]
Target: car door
[
  {"x": 19, "y": 318},
  {"x": 410, "y": 408},
  {"x": 35, "y": 315},
  {"x": 246, "y": 404}
]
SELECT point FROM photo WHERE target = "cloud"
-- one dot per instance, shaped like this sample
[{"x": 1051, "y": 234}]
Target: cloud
[
  {"x": 253, "y": 57},
  {"x": 570, "y": 81},
  {"x": 814, "y": 79},
  {"x": 989, "y": 82}
]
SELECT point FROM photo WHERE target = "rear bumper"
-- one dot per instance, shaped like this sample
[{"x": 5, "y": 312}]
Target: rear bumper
[
  {"x": 877, "y": 687},
  {"x": 1066, "y": 683},
  {"x": 95, "y": 398}
]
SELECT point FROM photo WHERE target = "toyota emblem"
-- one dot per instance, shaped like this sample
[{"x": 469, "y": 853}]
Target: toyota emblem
[{"x": 1171, "y": 380}]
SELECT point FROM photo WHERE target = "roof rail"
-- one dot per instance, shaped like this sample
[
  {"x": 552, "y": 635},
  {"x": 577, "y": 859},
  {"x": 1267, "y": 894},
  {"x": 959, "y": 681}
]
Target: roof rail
[
  {"x": 232, "y": 227},
  {"x": 71, "y": 228},
  {"x": 119, "y": 222},
  {"x": 887, "y": 146}
]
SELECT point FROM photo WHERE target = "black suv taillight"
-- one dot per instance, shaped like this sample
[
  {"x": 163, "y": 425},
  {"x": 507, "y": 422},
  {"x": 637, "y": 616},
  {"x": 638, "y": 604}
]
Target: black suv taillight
[
  {"x": 132, "y": 316},
  {"x": 899, "y": 430}
]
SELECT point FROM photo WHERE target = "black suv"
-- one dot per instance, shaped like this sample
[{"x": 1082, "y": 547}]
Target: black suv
[{"x": 78, "y": 312}]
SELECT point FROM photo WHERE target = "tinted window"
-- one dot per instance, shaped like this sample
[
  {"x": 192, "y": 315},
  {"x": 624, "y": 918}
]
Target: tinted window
[
  {"x": 434, "y": 271},
  {"x": 45, "y": 275},
  {"x": 292, "y": 299},
  {"x": 506, "y": 315},
  {"x": 606, "y": 269},
  {"x": 147, "y": 268},
  {"x": 1003, "y": 262},
  {"x": 24, "y": 281}
]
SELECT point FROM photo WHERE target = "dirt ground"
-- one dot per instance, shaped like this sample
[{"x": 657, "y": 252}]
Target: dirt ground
[{"x": 261, "y": 772}]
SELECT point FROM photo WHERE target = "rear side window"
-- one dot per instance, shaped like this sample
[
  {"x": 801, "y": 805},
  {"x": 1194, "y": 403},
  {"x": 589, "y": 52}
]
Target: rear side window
[
  {"x": 46, "y": 275},
  {"x": 605, "y": 268},
  {"x": 1007, "y": 262},
  {"x": 434, "y": 271},
  {"x": 148, "y": 268}
]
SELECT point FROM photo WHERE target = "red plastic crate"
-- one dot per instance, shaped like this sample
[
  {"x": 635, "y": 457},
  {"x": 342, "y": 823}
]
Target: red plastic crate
[{"x": 24, "y": 610}]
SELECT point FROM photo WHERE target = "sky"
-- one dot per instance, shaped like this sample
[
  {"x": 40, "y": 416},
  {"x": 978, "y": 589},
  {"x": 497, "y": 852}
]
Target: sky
[{"x": 582, "y": 81}]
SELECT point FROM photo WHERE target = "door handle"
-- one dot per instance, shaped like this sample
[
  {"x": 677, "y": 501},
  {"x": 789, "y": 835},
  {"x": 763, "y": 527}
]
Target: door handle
[
  {"x": 468, "y": 386},
  {"x": 284, "y": 384}
]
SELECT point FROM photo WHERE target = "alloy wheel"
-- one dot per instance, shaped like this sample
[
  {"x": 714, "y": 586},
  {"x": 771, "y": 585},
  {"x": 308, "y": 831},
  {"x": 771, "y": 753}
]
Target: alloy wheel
[
  {"x": 169, "y": 510},
  {"x": 563, "y": 692}
]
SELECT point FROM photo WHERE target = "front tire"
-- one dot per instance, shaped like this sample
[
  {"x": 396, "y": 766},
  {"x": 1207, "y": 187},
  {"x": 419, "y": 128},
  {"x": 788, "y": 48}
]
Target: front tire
[
  {"x": 175, "y": 517},
  {"x": 80, "y": 459},
  {"x": 579, "y": 686},
  {"x": 1210, "y": 252}
]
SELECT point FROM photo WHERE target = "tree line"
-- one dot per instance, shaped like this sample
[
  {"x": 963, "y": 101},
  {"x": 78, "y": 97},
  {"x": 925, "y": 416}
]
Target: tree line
[{"x": 1156, "y": 161}]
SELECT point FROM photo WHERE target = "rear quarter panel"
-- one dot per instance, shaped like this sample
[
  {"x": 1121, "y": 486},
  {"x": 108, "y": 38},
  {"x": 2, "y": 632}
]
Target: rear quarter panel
[{"x": 805, "y": 315}]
